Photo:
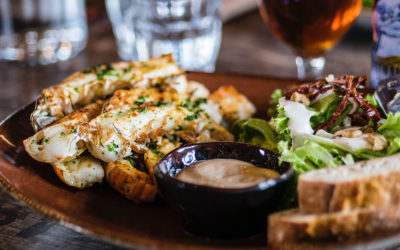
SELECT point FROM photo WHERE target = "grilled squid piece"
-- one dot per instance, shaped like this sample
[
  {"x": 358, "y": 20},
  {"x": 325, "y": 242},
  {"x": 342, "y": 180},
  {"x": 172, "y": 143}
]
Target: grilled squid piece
[
  {"x": 87, "y": 86},
  {"x": 134, "y": 184},
  {"x": 234, "y": 105},
  {"x": 195, "y": 94},
  {"x": 114, "y": 134},
  {"x": 63, "y": 140},
  {"x": 197, "y": 90},
  {"x": 142, "y": 97},
  {"x": 81, "y": 172}
]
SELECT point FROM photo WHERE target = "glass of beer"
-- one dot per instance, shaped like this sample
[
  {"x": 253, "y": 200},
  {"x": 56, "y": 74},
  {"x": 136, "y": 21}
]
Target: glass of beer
[{"x": 309, "y": 28}]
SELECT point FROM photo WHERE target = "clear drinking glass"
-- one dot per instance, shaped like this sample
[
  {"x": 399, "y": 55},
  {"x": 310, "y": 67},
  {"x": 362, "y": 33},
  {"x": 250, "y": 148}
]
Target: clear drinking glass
[
  {"x": 386, "y": 44},
  {"x": 310, "y": 28},
  {"x": 190, "y": 29},
  {"x": 42, "y": 31}
]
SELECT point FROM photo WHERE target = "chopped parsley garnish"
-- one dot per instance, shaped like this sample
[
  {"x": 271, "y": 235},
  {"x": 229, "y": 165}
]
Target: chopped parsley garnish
[
  {"x": 143, "y": 98},
  {"x": 106, "y": 70},
  {"x": 188, "y": 104},
  {"x": 62, "y": 134},
  {"x": 158, "y": 153},
  {"x": 160, "y": 103},
  {"x": 131, "y": 161},
  {"x": 192, "y": 117},
  {"x": 113, "y": 148},
  {"x": 128, "y": 69},
  {"x": 46, "y": 140},
  {"x": 76, "y": 90},
  {"x": 136, "y": 160},
  {"x": 74, "y": 131}
]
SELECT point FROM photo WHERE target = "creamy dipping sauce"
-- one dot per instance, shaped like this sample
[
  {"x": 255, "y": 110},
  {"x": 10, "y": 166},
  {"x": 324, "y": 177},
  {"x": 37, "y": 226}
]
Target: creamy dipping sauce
[{"x": 225, "y": 173}]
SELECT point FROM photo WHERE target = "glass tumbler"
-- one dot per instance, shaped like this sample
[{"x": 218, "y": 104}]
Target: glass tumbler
[
  {"x": 42, "y": 31},
  {"x": 386, "y": 40},
  {"x": 190, "y": 29}
]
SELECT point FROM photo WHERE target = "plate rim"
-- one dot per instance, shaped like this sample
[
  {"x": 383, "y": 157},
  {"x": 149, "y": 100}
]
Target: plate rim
[{"x": 72, "y": 224}]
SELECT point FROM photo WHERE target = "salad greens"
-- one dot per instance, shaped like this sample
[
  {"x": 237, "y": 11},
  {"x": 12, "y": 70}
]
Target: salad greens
[
  {"x": 391, "y": 128},
  {"x": 257, "y": 132},
  {"x": 325, "y": 147}
]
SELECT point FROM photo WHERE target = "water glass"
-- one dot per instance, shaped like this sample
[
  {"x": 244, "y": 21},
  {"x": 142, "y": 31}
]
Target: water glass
[
  {"x": 190, "y": 29},
  {"x": 386, "y": 43},
  {"x": 42, "y": 31}
]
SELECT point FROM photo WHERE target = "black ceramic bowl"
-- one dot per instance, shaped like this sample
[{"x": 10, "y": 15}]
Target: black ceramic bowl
[{"x": 220, "y": 212}]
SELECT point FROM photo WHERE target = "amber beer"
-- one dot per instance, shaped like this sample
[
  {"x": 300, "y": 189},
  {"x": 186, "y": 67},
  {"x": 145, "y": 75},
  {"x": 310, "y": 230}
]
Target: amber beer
[{"x": 310, "y": 27}]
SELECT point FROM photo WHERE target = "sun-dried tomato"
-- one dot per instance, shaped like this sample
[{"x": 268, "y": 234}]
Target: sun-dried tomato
[
  {"x": 340, "y": 108},
  {"x": 345, "y": 86},
  {"x": 370, "y": 111}
]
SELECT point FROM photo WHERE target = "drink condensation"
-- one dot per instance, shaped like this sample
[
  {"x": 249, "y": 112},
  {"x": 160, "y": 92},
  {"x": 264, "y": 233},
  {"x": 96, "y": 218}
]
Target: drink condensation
[
  {"x": 386, "y": 45},
  {"x": 190, "y": 29}
]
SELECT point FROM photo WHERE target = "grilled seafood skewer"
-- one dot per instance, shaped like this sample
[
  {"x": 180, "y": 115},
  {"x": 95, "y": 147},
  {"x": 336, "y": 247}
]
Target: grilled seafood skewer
[
  {"x": 81, "y": 172},
  {"x": 153, "y": 109},
  {"x": 234, "y": 105},
  {"x": 114, "y": 134},
  {"x": 63, "y": 140},
  {"x": 87, "y": 86},
  {"x": 134, "y": 184}
]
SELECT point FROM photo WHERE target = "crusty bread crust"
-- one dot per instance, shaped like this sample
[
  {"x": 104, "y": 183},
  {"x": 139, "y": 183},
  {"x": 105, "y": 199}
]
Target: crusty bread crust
[
  {"x": 293, "y": 226},
  {"x": 373, "y": 183}
]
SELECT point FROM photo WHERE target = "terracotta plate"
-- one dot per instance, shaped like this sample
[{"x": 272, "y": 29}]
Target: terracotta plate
[{"x": 103, "y": 212}]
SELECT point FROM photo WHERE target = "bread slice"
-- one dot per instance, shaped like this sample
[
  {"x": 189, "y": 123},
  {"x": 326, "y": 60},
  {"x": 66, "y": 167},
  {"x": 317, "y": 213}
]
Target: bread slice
[
  {"x": 372, "y": 183},
  {"x": 293, "y": 226}
]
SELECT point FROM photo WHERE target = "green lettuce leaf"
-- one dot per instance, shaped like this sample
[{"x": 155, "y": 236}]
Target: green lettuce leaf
[
  {"x": 276, "y": 95},
  {"x": 255, "y": 131},
  {"x": 324, "y": 109},
  {"x": 372, "y": 100},
  {"x": 323, "y": 104},
  {"x": 281, "y": 122},
  {"x": 309, "y": 156},
  {"x": 391, "y": 127}
]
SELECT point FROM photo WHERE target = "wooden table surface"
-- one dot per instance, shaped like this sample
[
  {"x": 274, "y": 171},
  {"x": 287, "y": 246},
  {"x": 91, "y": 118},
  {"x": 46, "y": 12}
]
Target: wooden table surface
[{"x": 247, "y": 47}]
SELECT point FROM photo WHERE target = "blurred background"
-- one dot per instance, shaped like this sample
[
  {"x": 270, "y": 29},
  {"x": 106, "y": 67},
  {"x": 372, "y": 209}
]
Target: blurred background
[{"x": 247, "y": 47}]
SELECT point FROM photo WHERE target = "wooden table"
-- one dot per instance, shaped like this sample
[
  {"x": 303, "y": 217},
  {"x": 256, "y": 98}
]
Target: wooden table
[{"x": 247, "y": 47}]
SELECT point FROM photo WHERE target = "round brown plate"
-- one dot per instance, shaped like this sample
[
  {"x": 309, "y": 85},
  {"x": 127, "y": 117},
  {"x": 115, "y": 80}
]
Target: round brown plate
[{"x": 101, "y": 211}]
